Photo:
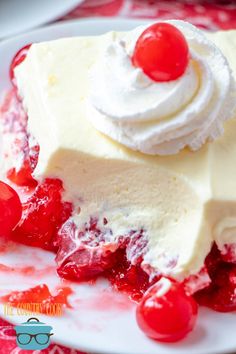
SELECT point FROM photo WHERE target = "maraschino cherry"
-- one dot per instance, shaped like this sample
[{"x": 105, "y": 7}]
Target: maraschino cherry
[
  {"x": 10, "y": 209},
  {"x": 166, "y": 313},
  {"x": 18, "y": 58},
  {"x": 161, "y": 52}
]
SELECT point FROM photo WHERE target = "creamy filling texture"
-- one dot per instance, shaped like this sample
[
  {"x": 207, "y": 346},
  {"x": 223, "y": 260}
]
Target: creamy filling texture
[
  {"x": 177, "y": 200},
  {"x": 224, "y": 232},
  {"x": 162, "y": 118}
]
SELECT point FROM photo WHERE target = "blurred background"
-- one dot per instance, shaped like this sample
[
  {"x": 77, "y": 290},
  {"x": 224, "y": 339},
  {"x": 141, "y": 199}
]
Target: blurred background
[{"x": 17, "y": 16}]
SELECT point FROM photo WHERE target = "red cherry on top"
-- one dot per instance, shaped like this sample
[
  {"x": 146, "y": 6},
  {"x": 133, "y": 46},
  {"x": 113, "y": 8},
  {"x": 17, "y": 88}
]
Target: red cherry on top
[
  {"x": 161, "y": 52},
  {"x": 166, "y": 313},
  {"x": 18, "y": 58},
  {"x": 10, "y": 209}
]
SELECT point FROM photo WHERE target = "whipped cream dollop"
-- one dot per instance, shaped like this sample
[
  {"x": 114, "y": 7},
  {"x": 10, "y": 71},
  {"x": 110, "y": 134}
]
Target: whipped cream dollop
[{"x": 162, "y": 117}]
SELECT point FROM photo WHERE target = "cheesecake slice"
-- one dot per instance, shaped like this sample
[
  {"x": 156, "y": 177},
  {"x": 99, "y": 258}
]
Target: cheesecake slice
[
  {"x": 178, "y": 205},
  {"x": 125, "y": 146}
]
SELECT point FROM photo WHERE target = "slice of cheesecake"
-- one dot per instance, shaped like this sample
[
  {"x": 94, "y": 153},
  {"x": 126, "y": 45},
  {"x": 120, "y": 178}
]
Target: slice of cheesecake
[{"x": 179, "y": 204}]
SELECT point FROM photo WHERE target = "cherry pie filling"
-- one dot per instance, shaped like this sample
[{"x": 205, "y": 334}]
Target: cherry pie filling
[{"x": 164, "y": 313}]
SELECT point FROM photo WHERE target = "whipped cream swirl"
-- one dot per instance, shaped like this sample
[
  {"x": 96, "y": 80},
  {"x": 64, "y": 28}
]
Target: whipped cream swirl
[{"x": 162, "y": 117}]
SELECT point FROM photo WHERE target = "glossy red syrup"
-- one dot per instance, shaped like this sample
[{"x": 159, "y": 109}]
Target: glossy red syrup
[
  {"x": 88, "y": 251},
  {"x": 39, "y": 294},
  {"x": 161, "y": 52},
  {"x": 10, "y": 209},
  {"x": 84, "y": 253},
  {"x": 130, "y": 279},
  {"x": 43, "y": 215},
  {"x": 220, "y": 295}
]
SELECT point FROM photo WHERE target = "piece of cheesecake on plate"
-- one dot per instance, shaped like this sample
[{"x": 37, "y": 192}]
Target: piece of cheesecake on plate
[{"x": 132, "y": 141}]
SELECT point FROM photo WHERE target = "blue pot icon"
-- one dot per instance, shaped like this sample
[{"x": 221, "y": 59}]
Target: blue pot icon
[{"x": 33, "y": 334}]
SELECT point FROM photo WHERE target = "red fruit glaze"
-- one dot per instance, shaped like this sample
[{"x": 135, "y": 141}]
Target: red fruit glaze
[
  {"x": 128, "y": 278},
  {"x": 84, "y": 253},
  {"x": 10, "y": 209},
  {"x": 41, "y": 295},
  {"x": 90, "y": 250},
  {"x": 161, "y": 52},
  {"x": 18, "y": 58},
  {"x": 43, "y": 215},
  {"x": 220, "y": 295},
  {"x": 166, "y": 315}
]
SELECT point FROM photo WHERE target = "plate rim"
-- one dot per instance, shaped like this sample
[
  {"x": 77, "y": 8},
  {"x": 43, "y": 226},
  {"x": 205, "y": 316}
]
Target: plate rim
[
  {"x": 46, "y": 21},
  {"x": 95, "y": 20}
]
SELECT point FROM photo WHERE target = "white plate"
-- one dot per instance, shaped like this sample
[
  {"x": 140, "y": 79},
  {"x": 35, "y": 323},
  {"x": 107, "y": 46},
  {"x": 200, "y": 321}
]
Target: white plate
[
  {"x": 17, "y": 16},
  {"x": 102, "y": 322}
]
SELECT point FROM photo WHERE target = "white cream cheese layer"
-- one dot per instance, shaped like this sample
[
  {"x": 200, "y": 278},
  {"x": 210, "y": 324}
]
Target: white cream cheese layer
[
  {"x": 177, "y": 200},
  {"x": 162, "y": 117}
]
